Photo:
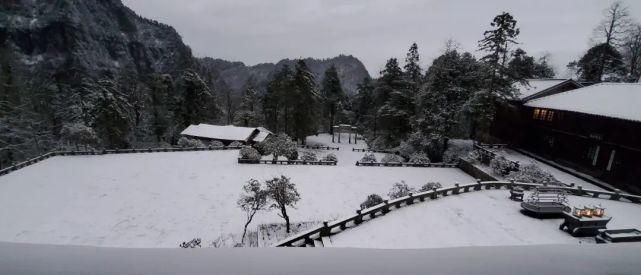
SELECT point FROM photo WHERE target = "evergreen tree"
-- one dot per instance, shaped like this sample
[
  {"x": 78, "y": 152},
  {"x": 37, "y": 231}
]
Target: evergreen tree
[
  {"x": 306, "y": 116},
  {"x": 195, "y": 102},
  {"x": 112, "y": 116},
  {"x": 248, "y": 113},
  {"x": 632, "y": 53},
  {"x": 160, "y": 116},
  {"x": 363, "y": 104},
  {"x": 278, "y": 101},
  {"x": 496, "y": 43},
  {"x": 412, "y": 68},
  {"x": 333, "y": 95},
  {"x": 601, "y": 62},
  {"x": 395, "y": 103},
  {"x": 523, "y": 66}
]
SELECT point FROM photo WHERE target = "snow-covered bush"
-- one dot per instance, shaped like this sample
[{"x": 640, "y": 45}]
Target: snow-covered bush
[
  {"x": 457, "y": 148},
  {"x": 531, "y": 173},
  {"x": 500, "y": 165},
  {"x": 430, "y": 185},
  {"x": 419, "y": 158},
  {"x": 235, "y": 144},
  {"x": 186, "y": 142},
  {"x": 309, "y": 156},
  {"x": 247, "y": 152},
  {"x": 330, "y": 157},
  {"x": 391, "y": 158},
  {"x": 400, "y": 190},
  {"x": 293, "y": 155},
  {"x": 191, "y": 244},
  {"x": 406, "y": 150},
  {"x": 474, "y": 156},
  {"x": 368, "y": 158},
  {"x": 216, "y": 143},
  {"x": 371, "y": 200}
]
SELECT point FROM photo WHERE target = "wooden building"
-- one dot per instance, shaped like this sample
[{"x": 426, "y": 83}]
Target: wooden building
[
  {"x": 595, "y": 130},
  {"x": 226, "y": 133}
]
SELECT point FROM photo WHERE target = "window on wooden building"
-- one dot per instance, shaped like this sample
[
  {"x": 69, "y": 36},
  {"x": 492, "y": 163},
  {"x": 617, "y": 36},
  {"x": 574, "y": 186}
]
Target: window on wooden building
[
  {"x": 543, "y": 114},
  {"x": 550, "y": 115},
  {"x": 536, "y": 114}
]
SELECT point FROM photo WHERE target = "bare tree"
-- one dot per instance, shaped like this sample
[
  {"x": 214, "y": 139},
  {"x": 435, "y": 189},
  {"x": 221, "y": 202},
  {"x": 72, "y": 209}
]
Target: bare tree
[
  {"x": 614, "y": 25},
  {"x": 284, "y": 194},
  {"x": 632, "y": 52},
  {"x": 251, "y": 201}
]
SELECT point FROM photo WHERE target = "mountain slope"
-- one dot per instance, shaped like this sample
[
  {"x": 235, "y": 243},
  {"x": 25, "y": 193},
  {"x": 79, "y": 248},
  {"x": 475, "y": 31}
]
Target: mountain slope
[{"x": 235, "y": 74}]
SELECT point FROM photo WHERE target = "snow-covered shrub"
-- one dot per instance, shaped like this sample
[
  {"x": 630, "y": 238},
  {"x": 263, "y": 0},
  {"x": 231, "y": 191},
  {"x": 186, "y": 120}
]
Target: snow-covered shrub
[
  {"x": 235, "y": 144},
  {"x": 216, "y": 143},
  {"x": 330, "y": 157},
  {"x": 400, "y": 190},
  {"x": 531, "y": 173},
  {"x": 247, "y": 152},
  {"x": 309, "y": 156},
  {"x": 419, "y": 158},
  {"x": 406, "y": 150},
  {"x": 391, "y": 158},
  {"x": 500, "y": 165},
  {"x": 191, "y": 244},
  {"x": 293, "y": 155},
  {"x": 368, "y": 158},
  {"x": 474, "y": 156},
  {"x": 186, "y": 142},
  {"x": 430, "y": 185},
  {"x": 371, "y": 200},
  {"x": 457, "y": 148}
]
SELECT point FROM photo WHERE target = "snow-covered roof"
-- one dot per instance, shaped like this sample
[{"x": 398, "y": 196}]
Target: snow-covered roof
[
  {"x": 226, "y": 132},
  {"x": 262, "y": 134},
  {"x": 616, "y": 100},
  {"x": 535, "y": 86}
]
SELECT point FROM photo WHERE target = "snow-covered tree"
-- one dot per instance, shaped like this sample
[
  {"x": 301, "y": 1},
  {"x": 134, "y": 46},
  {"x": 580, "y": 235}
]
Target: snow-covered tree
[
  {"x": 247, "y": 152},
  {"x": 195, "y": 102},
  {"x": 282, "y": 192},
  {"x": 248, "y": 114},
  {"x": 253, "y": 199},
  {"x": 112, "y": 116},
  {"x": 79, "y": 134},
  {"x": 430, "y": 185},
  {"x": 419, "y": 158},
  {"x": 279, "y": 145},
  {"x": 309, "y": 156},
  {"x": 186, "y": 142},
  {"x": 368, "y": 158},
  {"x": 531, "y": 173}
]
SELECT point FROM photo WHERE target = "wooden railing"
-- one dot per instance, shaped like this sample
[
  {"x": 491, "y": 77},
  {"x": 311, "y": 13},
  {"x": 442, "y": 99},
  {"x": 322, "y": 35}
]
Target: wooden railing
[
  {"x": 104, "y": 152},
  {"x": 318, "y": 147},
  {"x": 373, "y": 151},
  {"x": 286, "y": 162},
  {"x": 331, "y": 228},
  {"x": 407, "y": 164}
]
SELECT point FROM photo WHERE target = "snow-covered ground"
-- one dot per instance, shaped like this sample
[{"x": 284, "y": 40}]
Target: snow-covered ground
[
  {"x": 483, "y": 218},
  {"x": 162, "y": 199}
]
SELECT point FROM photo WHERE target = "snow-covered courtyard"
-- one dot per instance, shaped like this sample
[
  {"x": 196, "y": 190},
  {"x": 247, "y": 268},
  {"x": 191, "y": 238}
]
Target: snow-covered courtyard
[
  {"x": 162, "y": 199},
  {"x": 482, "y": 218}
]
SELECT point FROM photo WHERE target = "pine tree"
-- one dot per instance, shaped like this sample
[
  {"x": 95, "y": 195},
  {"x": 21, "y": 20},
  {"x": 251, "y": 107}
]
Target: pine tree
[
  {"x": 496, "y": 43},
  {"x": 395, "y": 105},
  {"x": 333, "y": 95},
  {"x": 412, "y": 68},
  {"x": 248, "y": 113},
  {"x": 277, "y": 101},
  {"x": 523, "y": 66},
  {"x": 195, "y": 103},
  {"x": 112, "y": 116},
  {"x": 601, "y": 62},
  {"x": 160, "y": 116},
  {"x": 306, "y": 114}
]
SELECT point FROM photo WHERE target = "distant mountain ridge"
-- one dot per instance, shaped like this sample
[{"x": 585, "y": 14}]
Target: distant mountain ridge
[{"x": 235, "y": 75}]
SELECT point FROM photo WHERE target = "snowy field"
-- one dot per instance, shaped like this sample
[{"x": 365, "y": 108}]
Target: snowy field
[
  {"x": 484, "y": 218},
  {"x": 162, "y": 199}
]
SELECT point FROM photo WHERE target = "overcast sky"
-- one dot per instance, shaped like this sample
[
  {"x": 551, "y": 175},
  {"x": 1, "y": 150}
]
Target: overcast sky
[{"x": 257, "y": 31}]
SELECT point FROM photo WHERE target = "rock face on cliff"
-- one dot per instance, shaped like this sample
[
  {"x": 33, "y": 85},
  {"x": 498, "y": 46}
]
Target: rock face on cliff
[
  {"x": 235, "y": 74},
  {"x": 67, "y": 38}
]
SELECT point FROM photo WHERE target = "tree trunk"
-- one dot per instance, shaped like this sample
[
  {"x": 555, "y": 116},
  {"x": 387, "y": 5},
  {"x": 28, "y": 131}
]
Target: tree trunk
[
  {"x": 283, "y": 210},
  {"x": 249, "y": 220}
]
